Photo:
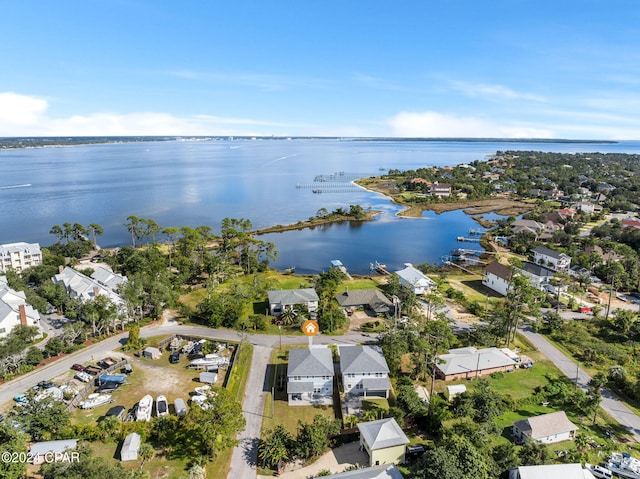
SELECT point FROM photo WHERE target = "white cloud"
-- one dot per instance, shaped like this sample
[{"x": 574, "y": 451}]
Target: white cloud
[
  {"x": 22, "y": 115},
  {"x": 495, "y": 92},
  {"x": 433, "y": 124},
  {"x": 20, "y": 109}
]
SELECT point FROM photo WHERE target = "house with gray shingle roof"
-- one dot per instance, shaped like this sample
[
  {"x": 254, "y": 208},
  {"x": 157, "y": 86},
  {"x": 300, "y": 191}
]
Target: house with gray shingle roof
[
  {"x": 371, "y": 299},
  {"x": 364, "y": 371},
  {"x": 383, "y": 440},
  {"x": 288, "y": 298},
  {"x": 546, "y": 428},
  {"x": 310, "y": 376}
]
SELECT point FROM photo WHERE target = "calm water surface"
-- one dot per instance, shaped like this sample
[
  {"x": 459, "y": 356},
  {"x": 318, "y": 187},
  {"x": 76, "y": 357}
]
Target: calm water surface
[{"x": 200, "y": 183}]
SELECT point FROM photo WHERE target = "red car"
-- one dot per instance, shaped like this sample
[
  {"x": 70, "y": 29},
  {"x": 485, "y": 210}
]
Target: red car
[{"x": 77, "y": 367}]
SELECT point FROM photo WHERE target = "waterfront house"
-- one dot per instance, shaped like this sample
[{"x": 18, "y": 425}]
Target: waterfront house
[
  {"x": 14, "y": 310},
  {"x": 467, "y": 363},
  {"x": 19, "y": 256},
  {"x": 288, "y": 298},
  {"x": 546, "y": 428},
  {"x": 497, "y": 277},
  {"x": 413, "y": 279},
  {"x": 383, "y": 441},
  {"x": 440, "y": 189},
  {"x": 364, "y": 371},
  {"x": 372, "y": 300},
  {"x": 310, "y": 376}
]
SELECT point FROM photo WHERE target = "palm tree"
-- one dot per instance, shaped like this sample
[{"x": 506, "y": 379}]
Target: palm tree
[{"x": 288, "y": 316}]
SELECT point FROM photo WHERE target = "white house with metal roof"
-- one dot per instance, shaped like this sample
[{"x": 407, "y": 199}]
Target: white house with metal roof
[
  {"x": 467, "y": 363},
  {"x": 19, "y": 256},
  {"x": 310, "y": 376},
  {"x": 288, "y": 298},
  {"x": 53, "y": 450},
  {"x": 383, "y": 440},
  {"x": 415, "y": 280},
  {"x": 546, "y": 428},
  {"x": 364, "y": 371},
  {"x": 14, "y": 310},
  {"x": 383, "y": 471},
  {"x": 551, "y": 471}
]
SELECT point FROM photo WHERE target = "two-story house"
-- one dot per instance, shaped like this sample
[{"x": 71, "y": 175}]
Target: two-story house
[
  {"x": 551, "y": 259},
  {"x": 85, "y": 288},
  {"x": 364, "y": 371},
  {"x": 497, "y": 277},
  {"x": 310, "y": 376}
]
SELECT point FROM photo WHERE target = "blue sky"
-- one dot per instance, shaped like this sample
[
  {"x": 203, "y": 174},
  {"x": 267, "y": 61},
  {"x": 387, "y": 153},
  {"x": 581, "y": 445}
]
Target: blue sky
[{"x": 448, "y": 68}]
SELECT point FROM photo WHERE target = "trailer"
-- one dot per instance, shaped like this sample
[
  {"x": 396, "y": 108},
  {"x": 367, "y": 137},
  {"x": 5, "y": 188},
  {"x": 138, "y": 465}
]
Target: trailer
[{"x": 208, "y": 378}]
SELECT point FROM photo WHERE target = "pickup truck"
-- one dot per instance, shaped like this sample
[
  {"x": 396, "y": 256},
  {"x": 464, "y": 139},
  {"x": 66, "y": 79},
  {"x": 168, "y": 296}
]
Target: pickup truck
[{"x": 93, "y": 370}]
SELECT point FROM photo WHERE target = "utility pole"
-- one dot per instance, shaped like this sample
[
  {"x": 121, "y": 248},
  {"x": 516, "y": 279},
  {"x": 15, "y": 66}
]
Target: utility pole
[
  {"x": 433, "y": 369},
  {"x": 613, "y": 279}
]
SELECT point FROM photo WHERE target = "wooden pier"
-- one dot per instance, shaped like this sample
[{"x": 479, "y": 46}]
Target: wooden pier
[
  {"x": 337, "y": 264},
  {"x": 380, "y": 268},
  {"x": 470, "y": 240}
]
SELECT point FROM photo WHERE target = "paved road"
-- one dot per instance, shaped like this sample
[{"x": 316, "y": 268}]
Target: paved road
[{"x": 610, "y": 404}]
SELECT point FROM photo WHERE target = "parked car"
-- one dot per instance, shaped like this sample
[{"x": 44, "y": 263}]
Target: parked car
[
  {"x": 127, "y": 369},
  {"x": 77, "y": 367},
  {"x": 175, "y": 357},
  {"x": 45, "y": 384}
]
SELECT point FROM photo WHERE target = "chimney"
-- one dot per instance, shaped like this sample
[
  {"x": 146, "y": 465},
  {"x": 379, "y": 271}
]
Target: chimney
[
  {"x": 60, "y": 269},
  {"x": 96, "y": 291},
  {"x": 23, "y": 315},
  {"x": 346, "y": 290}
]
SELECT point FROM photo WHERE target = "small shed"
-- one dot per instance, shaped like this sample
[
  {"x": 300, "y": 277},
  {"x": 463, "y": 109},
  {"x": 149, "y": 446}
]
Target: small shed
[
  {"x": 208, "y": 378},
  {"x": 454, "y": 390},
  {"x": 130, "y": 447},
  {"x": 151, "y": 353}
]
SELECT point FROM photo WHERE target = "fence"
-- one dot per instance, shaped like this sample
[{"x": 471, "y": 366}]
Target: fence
[{"x": 79, "y": 397}]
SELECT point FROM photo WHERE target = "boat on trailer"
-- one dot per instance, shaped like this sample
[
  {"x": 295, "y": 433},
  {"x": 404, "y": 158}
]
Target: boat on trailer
[
  {"x": 623, "y": 465},
  {"x": 143, "y": 413}
]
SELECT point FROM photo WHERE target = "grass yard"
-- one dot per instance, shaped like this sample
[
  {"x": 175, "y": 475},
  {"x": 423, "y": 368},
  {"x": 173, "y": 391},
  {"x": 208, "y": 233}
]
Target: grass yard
[{"x": 277, "y": 409}]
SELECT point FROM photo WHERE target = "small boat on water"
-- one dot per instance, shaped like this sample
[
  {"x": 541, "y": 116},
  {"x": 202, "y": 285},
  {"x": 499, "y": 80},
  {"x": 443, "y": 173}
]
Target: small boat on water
[
  {"x": 95, "y": 400},
  {"x": 162, "y": 406},
  {"x": 623, "y": 465},
  {"x": 143, "y": 413}
]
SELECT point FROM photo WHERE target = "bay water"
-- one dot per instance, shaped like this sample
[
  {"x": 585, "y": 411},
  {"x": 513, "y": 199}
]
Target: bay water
[{"x": 267, "y": 181}]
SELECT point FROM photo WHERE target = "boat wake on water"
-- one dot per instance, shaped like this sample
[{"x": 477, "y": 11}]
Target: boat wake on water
[{"x": 26, "y": 185}]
